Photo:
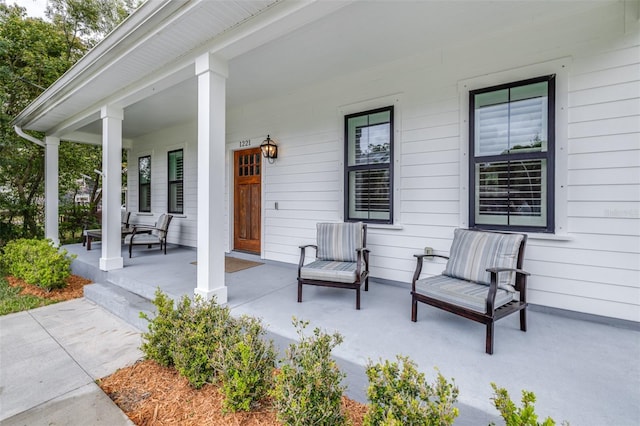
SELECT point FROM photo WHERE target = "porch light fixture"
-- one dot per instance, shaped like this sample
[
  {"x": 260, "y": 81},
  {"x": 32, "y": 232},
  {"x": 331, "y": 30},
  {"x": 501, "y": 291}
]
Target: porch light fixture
[{"x": 269, "y": 149}]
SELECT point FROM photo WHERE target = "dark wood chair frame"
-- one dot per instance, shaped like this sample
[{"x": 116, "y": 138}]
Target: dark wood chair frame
[
  {"x": 362, "y": 274},
  {"x": 491, "y": 314}
]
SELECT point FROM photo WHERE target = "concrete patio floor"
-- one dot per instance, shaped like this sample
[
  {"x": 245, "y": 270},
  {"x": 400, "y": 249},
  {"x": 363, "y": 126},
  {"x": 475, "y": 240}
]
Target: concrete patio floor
[{"x": 583, "y": 371}]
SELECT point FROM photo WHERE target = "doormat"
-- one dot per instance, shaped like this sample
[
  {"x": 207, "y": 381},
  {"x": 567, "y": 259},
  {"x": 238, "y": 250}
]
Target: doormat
[{"x": 234, "y": 264}]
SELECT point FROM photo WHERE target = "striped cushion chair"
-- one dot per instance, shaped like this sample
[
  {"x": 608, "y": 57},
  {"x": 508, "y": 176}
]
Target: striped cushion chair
[
  {"x": 342, "y": 259},
  {"x": 482, "y": 281},
  {"x": 150, "y": 235}
]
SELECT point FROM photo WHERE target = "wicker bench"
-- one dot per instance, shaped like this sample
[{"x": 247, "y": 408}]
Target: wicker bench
[{"x": 483, "y": 280}]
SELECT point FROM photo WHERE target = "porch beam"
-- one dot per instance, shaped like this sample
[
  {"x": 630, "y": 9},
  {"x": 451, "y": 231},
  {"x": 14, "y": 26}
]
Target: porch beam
[
  {"x": 212, "y": 75},
  {"x": 111, "y": 187},
  {"x": 52, "y": 145}
]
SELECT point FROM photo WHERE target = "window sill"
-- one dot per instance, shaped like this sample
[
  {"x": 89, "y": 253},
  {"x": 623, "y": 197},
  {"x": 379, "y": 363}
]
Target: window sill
[
  {"x": 178, "y": 216},
  {"x": 393, "y": 227},
  {"x": 144, "y": 214},
  {"x": 548, "y": 237}
]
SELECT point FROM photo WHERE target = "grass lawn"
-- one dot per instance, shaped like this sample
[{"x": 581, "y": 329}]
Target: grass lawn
[
  {"x": 12, "y": 301},
  {"x": 16, "y": 295}
]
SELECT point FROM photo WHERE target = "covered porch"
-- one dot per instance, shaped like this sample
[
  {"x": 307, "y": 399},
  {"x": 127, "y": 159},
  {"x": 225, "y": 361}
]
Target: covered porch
[{"x": 582, "y": 370}]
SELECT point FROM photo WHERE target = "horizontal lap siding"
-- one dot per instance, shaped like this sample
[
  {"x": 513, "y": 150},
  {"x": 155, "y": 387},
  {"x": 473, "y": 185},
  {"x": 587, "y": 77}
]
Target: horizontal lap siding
[
  {"x": 182, "y": 229},
  {"x": 596, "y": 269},
  {"x": 601, "y": 273}
]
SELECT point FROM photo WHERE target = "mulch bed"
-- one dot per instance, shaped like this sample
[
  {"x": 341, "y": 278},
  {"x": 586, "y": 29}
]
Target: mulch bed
[
  {"x": 150, "y": 394},
  {"x": 154, "y": 395},
  {"x": 73, "y": 290}
]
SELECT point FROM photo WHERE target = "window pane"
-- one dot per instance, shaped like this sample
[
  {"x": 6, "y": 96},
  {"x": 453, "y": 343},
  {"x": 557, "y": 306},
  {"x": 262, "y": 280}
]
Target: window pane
[
  {"x": 511, "y": 193},
  {"x": 176, "y": 176},
  {"x": 145, "y": 198},
  {"x": 144, "y": 169},
  {"x": 511, "y": 120},
  {"x": 175, "y": 165},
  {"x": 528, "y": 118},
  {"x": 492, "y": 122},
  {"x": 144, "y": 183},
  {"x": 176, "y": 198},
  {"x": 369, "y": 138},
  {"x": 369, "y": 196}
]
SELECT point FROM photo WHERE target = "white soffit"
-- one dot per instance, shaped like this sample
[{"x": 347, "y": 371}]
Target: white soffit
[
  {"x": 273, "y": 47},
  {"x": 132, "y": 53}
]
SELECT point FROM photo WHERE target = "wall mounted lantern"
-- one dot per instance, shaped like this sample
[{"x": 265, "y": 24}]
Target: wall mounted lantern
[{"x": 269, "y": 149}]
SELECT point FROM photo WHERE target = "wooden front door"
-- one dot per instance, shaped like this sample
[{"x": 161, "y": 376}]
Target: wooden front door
[{"x": 247, "y": 195}]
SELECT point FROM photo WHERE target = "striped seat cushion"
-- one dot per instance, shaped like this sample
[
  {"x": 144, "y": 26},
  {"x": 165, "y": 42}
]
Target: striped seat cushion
[
  {"x": 339, "y": 241},
  {"x": 142, "y": 239},
  {"x": 472, "y": 252},
  {"x": 325, "y": 270},
  {"x": 462, "y": 293}
]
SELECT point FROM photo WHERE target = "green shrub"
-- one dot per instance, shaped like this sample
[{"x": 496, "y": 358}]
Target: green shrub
[
  {"x": 247, "y": 366},
  {"x": 400, "y": 395},
  {"x": 158, "y": 343},
  {"x": 308, "y": 388},
  {"x": 189, "y": 337},
  {"x": 518, "y": 416},
  {"x": 37, "y": 262}
]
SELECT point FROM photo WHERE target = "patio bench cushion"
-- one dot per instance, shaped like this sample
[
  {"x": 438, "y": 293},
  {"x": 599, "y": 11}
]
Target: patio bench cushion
[
  {"x": 326, "y": 270},
  {"x": 339, "y": 241},
  {"x": 462, "y": 293},
  {"x": 473, "y": 252},
  {"x": 142, "y": 239}
]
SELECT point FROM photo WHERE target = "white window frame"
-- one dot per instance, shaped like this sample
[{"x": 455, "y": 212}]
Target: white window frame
[
  {"x": 396, "y": 101},
  {"x": 559, "y": 67}
]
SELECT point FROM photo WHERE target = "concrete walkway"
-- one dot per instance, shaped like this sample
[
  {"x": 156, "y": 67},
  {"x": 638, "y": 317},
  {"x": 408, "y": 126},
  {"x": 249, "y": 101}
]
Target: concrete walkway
[
  {"x": 582, "y": 371},
  {"x": 50, "y": 358}
]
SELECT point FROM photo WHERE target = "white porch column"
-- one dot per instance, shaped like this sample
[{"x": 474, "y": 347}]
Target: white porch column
[
  {"x": 212, "y": 74},
  {"x": 52, "y": 145},
  {"x": 111, "y": 187}
]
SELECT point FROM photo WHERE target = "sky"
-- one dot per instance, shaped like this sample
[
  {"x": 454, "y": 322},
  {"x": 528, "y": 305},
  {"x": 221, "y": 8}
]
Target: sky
[{"x": 35, "y": 8}]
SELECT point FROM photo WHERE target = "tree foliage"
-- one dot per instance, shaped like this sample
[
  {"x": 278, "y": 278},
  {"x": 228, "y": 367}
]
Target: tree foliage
[{"x": 34, "y": 53}]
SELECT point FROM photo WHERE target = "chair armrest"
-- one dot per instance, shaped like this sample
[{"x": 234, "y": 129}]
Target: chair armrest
[
  {"x": 140, "y": 229},
  {"x": 520, "y": 285},
  {"x": 302, "y": 253},
  {"x": 517, "y": 271},
  {"x": 421, "y": 256},
  {"x": 419, "y": 260}
]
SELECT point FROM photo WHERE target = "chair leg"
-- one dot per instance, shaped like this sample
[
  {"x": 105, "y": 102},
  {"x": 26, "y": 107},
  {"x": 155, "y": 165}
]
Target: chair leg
[
  {"x": 414, "y": 310},
  {"x": 358, "y": 298},
  {"x": 299, "y": 292},
  {"x": 366, "y": 284},
  {"x": 130, "y": 246},
  {"x": 523, "y": 320},
  {"x": 489, "y": 342}
]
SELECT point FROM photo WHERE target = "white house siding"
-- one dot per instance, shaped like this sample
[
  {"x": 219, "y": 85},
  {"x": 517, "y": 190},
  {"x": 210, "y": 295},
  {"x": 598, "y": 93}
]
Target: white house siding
[
  {"x": 182, "y": 229},
  {"x": 594, "y": 268}
]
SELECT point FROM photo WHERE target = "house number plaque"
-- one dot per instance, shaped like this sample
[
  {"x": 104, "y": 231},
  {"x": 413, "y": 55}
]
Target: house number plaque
[{"x": 245, "y": 143}]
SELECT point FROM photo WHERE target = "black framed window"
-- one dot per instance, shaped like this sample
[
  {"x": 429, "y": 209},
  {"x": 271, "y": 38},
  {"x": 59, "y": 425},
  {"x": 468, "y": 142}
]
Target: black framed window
[
  {"x": 368, "y": 172},
  {"x": 144, "y": 183},
  {"x": 511, "y": 170},
  {"x": 176, "y": 181}
]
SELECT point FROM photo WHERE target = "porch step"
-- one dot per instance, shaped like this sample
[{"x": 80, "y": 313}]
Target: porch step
[{"x": 120, "y": 302}]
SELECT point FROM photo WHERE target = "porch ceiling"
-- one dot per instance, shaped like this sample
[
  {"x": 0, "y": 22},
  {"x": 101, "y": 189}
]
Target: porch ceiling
[{"x": 304, "y": 48}]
